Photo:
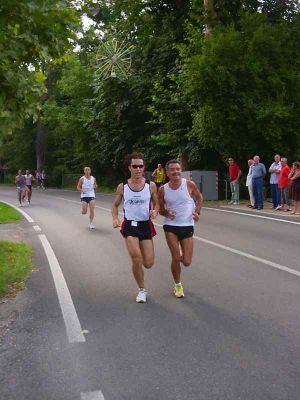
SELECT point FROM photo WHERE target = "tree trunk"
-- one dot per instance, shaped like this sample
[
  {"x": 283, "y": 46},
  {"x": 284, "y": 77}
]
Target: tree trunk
[
  {"x": 210, "y": 12},
  {"x": 40, "y": 146},
  {"x": 183, "y": 161}
]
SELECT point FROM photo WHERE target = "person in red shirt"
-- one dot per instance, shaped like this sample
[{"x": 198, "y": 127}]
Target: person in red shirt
[
  {"x": 234, "y": 176},
  {"x": 284, "y": 184}
]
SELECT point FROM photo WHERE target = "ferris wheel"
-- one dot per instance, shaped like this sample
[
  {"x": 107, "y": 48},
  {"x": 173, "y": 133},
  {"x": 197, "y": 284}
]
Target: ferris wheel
[{"x": 113, "y": 58}]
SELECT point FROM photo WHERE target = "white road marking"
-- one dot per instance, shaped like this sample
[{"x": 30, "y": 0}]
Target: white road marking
[
  {"x": 252, "y": 215},
  {"x": 28, "y": 217},
  {"x": 247, "y": 255},
  {"x": 69, "y": 313},
  {"x": 75, "y": 201},
  {"x": 92, "y": 395},
  {"x": 205, "y": 208},
  {"x": 36, "y": 228},
  {"x": 241, "y": 253}
]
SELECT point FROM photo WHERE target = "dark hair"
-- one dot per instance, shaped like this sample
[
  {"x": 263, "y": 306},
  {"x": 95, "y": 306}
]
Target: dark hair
[
  {"x": 133, "y": 156},
  {"x": 172, "y": 162}
]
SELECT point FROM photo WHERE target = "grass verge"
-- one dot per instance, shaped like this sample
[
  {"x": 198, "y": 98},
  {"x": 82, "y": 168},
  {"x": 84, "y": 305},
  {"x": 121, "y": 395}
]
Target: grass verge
[
  {"x": 8, "y": 214},
  {"x": 15, "y": 266}
]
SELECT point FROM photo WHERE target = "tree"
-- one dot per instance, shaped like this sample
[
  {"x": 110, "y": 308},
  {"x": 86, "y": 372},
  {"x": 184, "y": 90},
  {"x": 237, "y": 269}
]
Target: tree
[
  {"x": 244, "y": 87},
  {"x": 31, "y": 32}
]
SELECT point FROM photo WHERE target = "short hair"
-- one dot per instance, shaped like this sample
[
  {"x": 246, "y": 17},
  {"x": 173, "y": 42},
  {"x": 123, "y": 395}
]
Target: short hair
[
  {"x": 133, "y": 156},
  {"x": 172, "y": 162},
  {"x": 284, "y": 159}
]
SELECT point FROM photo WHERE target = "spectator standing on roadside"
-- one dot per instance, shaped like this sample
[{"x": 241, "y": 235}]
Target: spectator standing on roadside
[
  {"x": 249, "y": 184},
  {"x": 234, "y": 176},
  {"x": 274, "y": 170},
  {"x": 284, "y": 184},
  {"x": 295, "y": 188},
  {"x": 258, "y": 171},
  {"x": 159, "y": 176}
]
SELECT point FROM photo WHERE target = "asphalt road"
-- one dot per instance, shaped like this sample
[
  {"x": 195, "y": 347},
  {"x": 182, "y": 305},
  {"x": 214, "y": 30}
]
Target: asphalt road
[{"x": 234, "y": 336}]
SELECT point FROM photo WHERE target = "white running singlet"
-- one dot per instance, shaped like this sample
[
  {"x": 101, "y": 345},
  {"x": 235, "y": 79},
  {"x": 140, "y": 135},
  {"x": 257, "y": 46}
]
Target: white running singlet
[
  {"x": 28, "y": 179},
  {"x": 137, "y": 204},
  {"x": 181, "y": 202},
  {"x": 88, "y": 187}
]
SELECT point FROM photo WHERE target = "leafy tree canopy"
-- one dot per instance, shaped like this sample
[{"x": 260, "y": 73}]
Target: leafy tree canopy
[{"x": 31, "y": 32}]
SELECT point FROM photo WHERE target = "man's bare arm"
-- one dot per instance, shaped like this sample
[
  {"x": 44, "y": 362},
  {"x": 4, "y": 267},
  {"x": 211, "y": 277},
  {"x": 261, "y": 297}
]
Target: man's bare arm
[
  {"x": 154, "y": 198},
  {"x": 161, "y": 202},
  {"x": 79, "y": 184},
  {"x": 195, "y": 193},
  {"x": 115, "y": 206}
]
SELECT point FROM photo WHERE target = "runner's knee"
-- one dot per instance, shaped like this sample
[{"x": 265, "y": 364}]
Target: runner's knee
[
  {"x": 186, "y": 262},
  {"x": 137, "y": 260},
  {"x": 148, "y": 264}
]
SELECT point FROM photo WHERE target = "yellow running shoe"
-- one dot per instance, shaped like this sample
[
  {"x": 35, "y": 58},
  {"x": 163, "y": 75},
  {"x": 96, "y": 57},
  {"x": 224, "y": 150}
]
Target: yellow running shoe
[{"x": 178, "y": 291}]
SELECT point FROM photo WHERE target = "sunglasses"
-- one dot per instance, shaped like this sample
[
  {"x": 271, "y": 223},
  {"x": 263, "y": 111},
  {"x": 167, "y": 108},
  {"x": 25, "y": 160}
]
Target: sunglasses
[{"x": 137, "y": 166}]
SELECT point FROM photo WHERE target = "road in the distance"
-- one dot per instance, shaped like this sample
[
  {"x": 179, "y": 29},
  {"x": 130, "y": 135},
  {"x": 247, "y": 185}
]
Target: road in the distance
[{"x": 234, "y": 336}]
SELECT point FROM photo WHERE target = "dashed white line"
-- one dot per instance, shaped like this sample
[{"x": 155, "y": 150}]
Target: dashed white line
[
  {"x": 74, "y": 330},
  {"x": 28, "y": 217},
  {"x": 92, "y": 395},
  {"x": 36, "y": 228}
]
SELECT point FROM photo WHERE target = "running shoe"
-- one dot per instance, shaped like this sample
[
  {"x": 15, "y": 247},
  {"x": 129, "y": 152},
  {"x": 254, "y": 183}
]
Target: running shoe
[
  {"x": 178, "y": 291},
  {"x": 142, "y": 296},
  {"x": 92, "y": 226}
]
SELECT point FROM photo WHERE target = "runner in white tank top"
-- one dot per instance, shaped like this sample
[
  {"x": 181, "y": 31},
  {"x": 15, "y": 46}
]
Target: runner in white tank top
[
  {"x": 176, "y": 204},
  {"x": 181, "y": 203},
  {"x": 87, "y": 185},
  {"x": 137, "y": 227},
  {"x": 29, "y": 179}
]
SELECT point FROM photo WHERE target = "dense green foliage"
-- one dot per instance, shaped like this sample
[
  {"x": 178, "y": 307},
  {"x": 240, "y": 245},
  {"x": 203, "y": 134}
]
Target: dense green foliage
[
  {"x": 31, "y": 32},
  {"x": 191, "y": 94}
]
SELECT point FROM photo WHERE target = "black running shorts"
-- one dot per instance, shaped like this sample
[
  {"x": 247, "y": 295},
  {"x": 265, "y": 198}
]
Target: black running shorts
[
  {"x": 182, "y": 232},
  {"x": 144, "y": 230},
  {"x": 87, "y": 199}
]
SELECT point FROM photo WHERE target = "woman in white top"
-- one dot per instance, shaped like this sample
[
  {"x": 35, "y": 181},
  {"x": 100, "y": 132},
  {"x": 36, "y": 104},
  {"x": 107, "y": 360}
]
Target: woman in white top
[{"x": 87, "y": 185}]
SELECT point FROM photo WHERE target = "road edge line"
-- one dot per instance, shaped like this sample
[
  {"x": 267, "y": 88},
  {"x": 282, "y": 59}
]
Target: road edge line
[{"x": 73, "y": 327}]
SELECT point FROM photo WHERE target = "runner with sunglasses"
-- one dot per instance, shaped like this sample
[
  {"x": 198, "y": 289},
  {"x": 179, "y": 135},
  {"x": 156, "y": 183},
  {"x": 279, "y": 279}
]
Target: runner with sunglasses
[{"x": 137, "y": 228}]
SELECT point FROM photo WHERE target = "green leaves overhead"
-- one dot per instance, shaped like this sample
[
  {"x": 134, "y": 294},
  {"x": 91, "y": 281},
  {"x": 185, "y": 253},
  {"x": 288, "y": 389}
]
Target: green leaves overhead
[
  {"x": 32, "y": 32},
  {"x": 235, "y": 91}
]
